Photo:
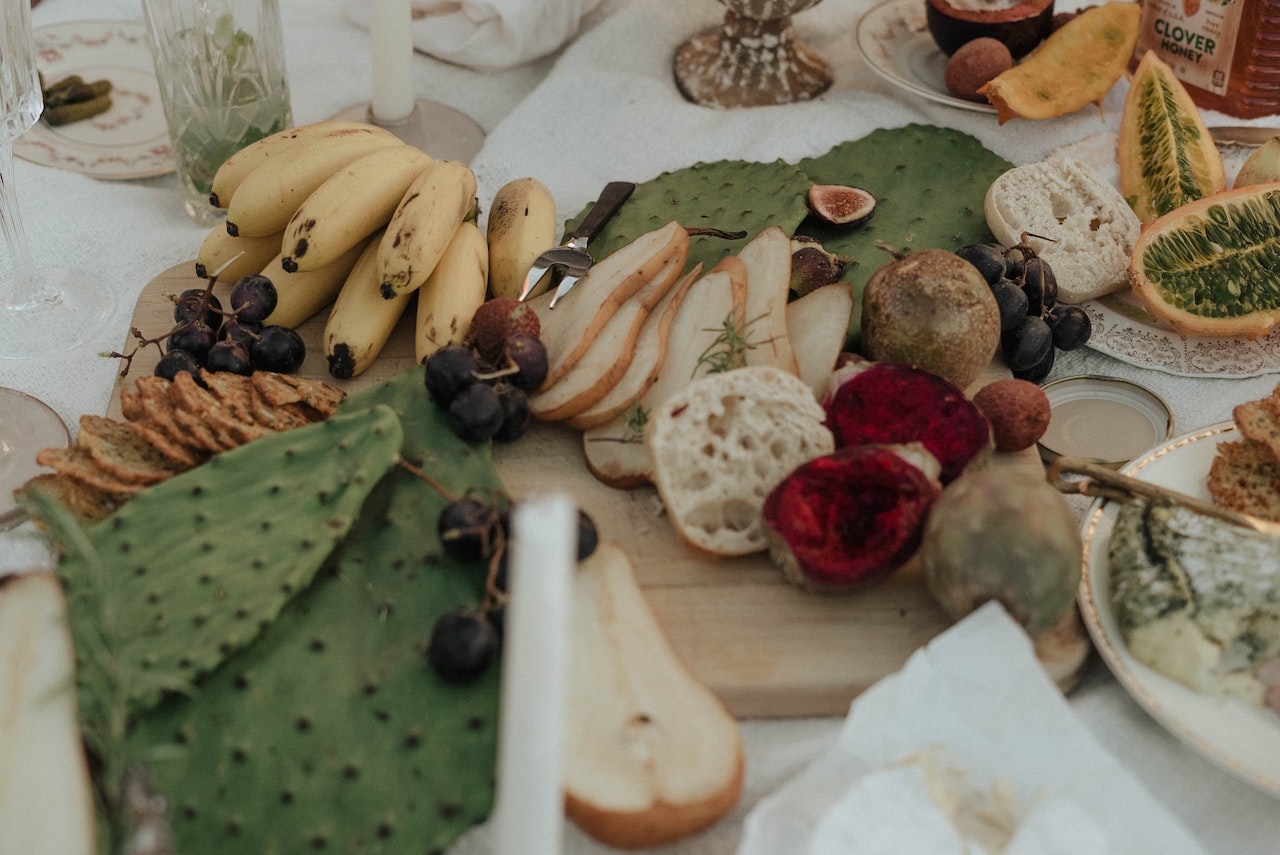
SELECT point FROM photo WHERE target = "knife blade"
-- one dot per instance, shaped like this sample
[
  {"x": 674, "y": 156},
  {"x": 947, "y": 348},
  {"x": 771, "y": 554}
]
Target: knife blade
[{"x": 1246, "y": 135}]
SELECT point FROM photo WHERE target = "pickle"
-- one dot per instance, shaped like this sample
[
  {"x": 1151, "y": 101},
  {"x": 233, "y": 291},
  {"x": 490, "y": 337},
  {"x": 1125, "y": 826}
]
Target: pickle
[
  {"x": 76, "y": 91},
  {"x": 65, "y": 113}
]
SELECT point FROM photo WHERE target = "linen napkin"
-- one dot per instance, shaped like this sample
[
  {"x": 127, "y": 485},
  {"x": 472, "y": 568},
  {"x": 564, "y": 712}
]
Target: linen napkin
[
  {"x": 488, "y": 35},
  {"x": 977, "y": 703}
]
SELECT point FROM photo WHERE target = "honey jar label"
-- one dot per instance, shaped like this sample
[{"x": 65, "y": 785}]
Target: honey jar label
[{"x": 1196, "y": 38}]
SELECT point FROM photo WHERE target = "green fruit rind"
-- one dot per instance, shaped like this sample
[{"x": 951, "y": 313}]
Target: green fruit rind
[
  {"x": 163, "y": 590},
  {"x": 1213, "y": 267},
  {"x": 331, "y": 733}
]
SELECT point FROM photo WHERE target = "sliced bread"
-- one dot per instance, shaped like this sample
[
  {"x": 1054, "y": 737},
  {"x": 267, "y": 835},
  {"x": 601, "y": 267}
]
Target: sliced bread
[
  {"x": 1245, "y": 477},
  {"x": 723, "y": 443},
  {"x": 1075, "y": 221}
]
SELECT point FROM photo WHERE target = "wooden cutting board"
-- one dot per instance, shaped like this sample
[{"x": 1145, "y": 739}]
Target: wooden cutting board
[{"x": 764, "y": 646}]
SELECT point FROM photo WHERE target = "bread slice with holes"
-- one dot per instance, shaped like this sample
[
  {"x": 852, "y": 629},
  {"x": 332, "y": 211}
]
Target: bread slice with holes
[
  {"x": 654, "y": 755},
  {"x": 1081, "y": 224},
  {"x": 723, "y": 443}
]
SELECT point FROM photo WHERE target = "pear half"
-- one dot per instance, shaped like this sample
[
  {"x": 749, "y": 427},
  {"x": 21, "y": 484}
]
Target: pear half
[
  {"x": 1262, "y": 166},
  {"x": 652, "y": 754}
]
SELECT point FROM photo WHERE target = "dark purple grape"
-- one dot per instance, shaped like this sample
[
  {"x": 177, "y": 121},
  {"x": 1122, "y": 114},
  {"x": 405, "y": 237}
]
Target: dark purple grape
[
  {"x": 476, "y": 413},
  {"x": 176, "y": 361},
  {"x": 195, "y": 337},
  {"x": 245, "y": 332},
  {"x": 1025, "y": 345},
  {"x": 530, "y": 356},
  {"x": 188, "y": 307},
  {"x": 515, "y": 413},
  {"x": 1070, "y": 325},
  {"x": 278, "y": 349},
  {"x": 1040, "y": 370},
  {"x": 253, "y": 298},
  {"x": 467, "y": 529},
  {"x": 230, "y": 356},
  {"x": 988, "y": 258},
  {"x": 449, "y": 371},
  {"x": 463, "y": 644},
  {"x": 588, "y": 536},
  {"x": 1012, "y": 302},
  {"x": 1040, "y": 285}
]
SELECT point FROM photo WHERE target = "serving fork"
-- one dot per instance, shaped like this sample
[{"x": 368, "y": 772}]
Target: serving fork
[{"x": 571, "y": 258}]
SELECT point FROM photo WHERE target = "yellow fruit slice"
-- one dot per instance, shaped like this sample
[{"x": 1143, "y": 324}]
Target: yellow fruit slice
[
  {"x": 1077, "y": 65},
  {"x": 1166, "y": 155},
  {"x": 1212, "y": 267}
]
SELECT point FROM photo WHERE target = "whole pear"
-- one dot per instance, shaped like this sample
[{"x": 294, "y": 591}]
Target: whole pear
[
  {"x": 1261, "y": 167},
  {"x": 934, "y": 310}
]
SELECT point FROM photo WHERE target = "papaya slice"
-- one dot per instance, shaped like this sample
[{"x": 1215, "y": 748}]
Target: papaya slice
[
  {"x": 1077, "y": 65},
  {"x": 1212, "y": 267},
  {"x": 1167, "y": 157}
]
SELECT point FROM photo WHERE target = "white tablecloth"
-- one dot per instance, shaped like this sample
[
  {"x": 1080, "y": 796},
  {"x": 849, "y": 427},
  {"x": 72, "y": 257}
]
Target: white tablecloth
[{"x": 605, "y": 108}]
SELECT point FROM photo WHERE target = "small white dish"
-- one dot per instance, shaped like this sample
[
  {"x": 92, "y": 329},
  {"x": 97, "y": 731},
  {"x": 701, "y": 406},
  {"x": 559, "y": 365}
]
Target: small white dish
[
  {"x": 130, "y": 140},
  {"x": 1104, "y": 419}
]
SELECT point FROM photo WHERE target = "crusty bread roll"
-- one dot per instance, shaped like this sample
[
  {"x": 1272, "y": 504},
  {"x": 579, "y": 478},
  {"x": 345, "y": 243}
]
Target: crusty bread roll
[
  {"x": 720, "y": 445},
  {"x": 1092, "y": 230}
]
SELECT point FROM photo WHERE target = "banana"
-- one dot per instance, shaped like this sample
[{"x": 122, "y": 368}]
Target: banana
[
  {"x": 228, "y": 258},
  {"x": 422, "y": 226},
  {"x": 350, "y": 205},
  {"x": 235, "y": 168},
  {"x": 303, "y": 293},
  {"x": 522, "y": 223},
  {"x": 270, "y": 194},
  {"x": 361, "y": 320},
  {"x": 452, "y": 293}
]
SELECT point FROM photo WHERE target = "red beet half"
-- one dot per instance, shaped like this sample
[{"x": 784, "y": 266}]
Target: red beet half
[
  {"x": 893, "y": 403},
  {"x": 850, "y": 518}
]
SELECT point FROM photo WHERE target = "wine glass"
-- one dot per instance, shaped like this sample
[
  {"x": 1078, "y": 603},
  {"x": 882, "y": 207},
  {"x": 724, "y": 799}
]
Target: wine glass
[{"x": 42, "y": 310}]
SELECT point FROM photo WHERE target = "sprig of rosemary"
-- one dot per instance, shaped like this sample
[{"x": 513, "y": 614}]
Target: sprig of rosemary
[{"x": 729, "y": 350}]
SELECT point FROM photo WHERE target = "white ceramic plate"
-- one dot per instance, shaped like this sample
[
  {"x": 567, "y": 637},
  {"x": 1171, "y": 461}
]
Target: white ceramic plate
[
  {"x": 131, "y": 139},
  {"x": 896, "y": 43},
  {"x": 1241, "y": 739},
  {"x": 1123, "y": 329}
]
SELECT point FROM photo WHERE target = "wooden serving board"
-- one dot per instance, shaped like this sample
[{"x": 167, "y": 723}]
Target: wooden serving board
[{"x": 763, "y": 645}]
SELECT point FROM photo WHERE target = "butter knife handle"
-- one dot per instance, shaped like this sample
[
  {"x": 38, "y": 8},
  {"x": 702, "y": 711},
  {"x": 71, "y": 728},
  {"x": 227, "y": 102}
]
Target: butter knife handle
[{"x": 610, "y": 200}]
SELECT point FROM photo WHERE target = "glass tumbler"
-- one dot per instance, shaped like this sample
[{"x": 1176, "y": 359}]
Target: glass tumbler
[{"x": 220, "y": 66}]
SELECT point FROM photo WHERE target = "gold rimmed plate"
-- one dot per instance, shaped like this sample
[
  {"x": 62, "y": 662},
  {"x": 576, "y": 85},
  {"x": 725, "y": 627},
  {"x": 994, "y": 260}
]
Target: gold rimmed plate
[{"x": 1241, "y": 739}]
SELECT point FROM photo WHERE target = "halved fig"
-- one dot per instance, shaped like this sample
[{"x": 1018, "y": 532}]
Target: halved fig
[
  {"x": 840, "y": 205},
  {"x": 1020, "y": 24},
  {"x": 896, "y": 403},
  {"x": 850, "y": 518}
]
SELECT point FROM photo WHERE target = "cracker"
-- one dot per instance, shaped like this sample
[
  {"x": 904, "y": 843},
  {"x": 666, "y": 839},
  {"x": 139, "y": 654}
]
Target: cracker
[
  {"x": 123, "y": 452},
  {"x": 1245, "y": 477},
  {"x": 88, "y": 503},
  {"x": 76, "y": 463}
]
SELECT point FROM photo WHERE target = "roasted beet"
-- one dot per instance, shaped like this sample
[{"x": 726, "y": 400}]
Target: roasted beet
[
  {"x": 850, "y": 518},
  {"x": 893, "y": 403}
]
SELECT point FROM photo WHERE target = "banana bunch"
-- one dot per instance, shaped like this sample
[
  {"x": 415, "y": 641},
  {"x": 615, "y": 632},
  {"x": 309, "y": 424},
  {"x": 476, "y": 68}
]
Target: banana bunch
[{"x": 345, "y": 213}]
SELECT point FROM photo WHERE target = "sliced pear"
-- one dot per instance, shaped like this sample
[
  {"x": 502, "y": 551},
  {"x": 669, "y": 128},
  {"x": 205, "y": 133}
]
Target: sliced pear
[
  {"x": 653, "y": 755},
  {"x": 824, "y": 315},
  {"x": 46, "y": 805},
  {"x": 1262, "y": 166},
  {"x": 768, "y": 261}
]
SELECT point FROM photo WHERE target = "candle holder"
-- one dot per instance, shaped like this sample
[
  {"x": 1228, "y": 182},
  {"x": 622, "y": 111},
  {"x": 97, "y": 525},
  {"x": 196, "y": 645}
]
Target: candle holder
[
  {"x": 438, "y": 129},
  {"x": 752, "y": 60}
]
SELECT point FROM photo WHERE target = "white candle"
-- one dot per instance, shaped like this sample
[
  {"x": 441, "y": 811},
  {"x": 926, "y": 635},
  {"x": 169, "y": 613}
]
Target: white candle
[
  {"x": 393, "y": 97},
  {"x": 529, "y": 806}
]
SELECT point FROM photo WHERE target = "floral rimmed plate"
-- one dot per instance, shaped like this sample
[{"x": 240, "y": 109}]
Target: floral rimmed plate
[
  {"x": 895, "y": 41},
  {"x": 1123, "y": 329},
  {"x": 131, "y": 139},
  {"x": 1241, "y": 739}
]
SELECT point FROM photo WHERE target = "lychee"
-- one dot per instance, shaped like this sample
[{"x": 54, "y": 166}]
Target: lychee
[
  {"x": 497, "y": 320},
  {"x": 1018, "y": 411}
]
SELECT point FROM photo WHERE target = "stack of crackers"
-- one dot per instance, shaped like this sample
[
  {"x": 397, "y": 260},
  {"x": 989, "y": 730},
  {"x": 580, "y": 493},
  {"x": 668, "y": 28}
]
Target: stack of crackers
[
  {"x": 1245, "y": 474},
  {"x": 170, "y": 427}
]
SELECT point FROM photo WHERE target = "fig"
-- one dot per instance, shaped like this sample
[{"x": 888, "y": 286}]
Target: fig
[
  {"x": 850, "y": 518},
  {"x": 812, "y": 265},
  {"x": 933, "y": 309},
  {"x": 894, "y": 403},
  {"x": 1002, "y": 533},
  {"x": 840, "y": 205},
  {"x": 1020, "y": 24}
]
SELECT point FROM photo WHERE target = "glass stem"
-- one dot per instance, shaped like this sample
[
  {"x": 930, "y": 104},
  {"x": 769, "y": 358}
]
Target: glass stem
[{"x": 24, "y": 290}]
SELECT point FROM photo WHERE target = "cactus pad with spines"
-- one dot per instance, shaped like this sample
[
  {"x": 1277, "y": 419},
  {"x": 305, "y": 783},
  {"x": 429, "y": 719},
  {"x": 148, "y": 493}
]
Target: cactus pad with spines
[
  {"x": 163, "y": 590},
  {"x": 331, "y": 733}
]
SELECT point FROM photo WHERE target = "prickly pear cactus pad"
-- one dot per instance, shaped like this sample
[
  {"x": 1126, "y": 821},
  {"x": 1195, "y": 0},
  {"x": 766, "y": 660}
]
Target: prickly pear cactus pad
[
  {"x": 331, "y": 733},
  {"x": 730, "y": 195},
  {"x": 930, "y": 185},
  {"x": 162, "y": 591}
]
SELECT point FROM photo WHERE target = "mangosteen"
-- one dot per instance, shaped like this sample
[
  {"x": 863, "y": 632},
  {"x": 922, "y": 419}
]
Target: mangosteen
[{"x": 1020, "y": 24}]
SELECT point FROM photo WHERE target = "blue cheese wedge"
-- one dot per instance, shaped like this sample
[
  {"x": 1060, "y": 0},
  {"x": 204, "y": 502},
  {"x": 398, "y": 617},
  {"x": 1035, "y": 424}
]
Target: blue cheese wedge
[{"x": 1196, "y": 598}]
